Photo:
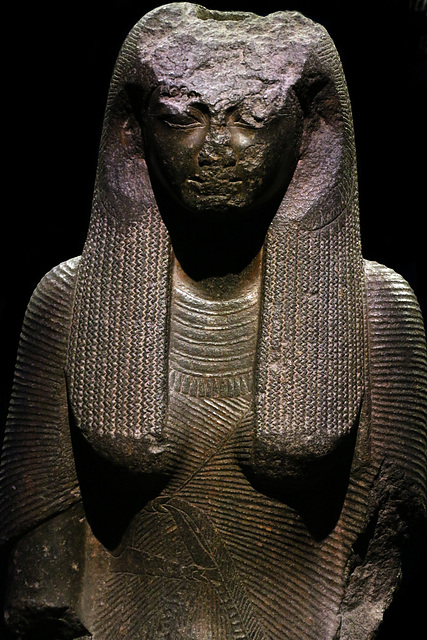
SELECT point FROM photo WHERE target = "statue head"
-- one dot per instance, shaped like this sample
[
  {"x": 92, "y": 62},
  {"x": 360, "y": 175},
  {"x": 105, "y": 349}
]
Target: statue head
[
  {"x": 220, "y": 136},
  {"x": 220, "y": 120}
]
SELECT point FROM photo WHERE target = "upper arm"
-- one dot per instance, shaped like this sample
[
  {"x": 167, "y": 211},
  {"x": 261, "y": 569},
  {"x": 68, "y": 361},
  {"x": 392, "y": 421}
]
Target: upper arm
[
  {"x": 398, "y": 374},
  {"x": 37, "y": 473}
]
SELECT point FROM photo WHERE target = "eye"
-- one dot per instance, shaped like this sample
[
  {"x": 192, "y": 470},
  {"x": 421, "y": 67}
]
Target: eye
[
  {"x": 246, "y": 120},
  {"x": 191, "y": 118},
  {"x": 244, "y": 123},
  {"x": 180, "y": 121}
]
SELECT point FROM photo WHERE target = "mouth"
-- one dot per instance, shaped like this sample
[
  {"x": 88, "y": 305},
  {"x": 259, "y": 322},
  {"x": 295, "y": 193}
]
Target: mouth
[{"x": 213, "y": 184}]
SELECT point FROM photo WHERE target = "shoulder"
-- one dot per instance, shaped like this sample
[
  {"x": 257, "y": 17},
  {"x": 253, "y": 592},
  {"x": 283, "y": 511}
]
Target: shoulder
[
  {"x": 386, "y": 289},
  {"x": 395, "y": 325},
  {"x": 398, "y": 370},
  {"x": 56, "y": 288},
  {"x": 51, "y": 303},
  {"x": 394, "y": 315},
  {"x": 45, "y": 330}
]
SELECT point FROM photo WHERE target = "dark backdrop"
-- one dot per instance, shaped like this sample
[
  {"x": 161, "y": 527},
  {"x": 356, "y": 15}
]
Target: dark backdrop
[{"x": 57, "y": 67}]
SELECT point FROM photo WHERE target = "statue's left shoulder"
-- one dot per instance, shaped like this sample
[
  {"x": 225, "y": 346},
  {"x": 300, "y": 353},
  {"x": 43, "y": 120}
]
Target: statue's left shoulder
[
  {"x": 385, "y": 284},
  {"x": 396, "y": 516},
  {"x": 395, "y": 315},
  {"x": 397, "y": 371}
]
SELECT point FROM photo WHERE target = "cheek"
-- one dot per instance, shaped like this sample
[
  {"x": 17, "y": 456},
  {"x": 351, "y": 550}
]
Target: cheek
[
  {"x": 258, "y": 162},
  {"x": 241, "y": 140},
  {"x": 175, "y": 154},
  {"x": 270, "y": 153}
]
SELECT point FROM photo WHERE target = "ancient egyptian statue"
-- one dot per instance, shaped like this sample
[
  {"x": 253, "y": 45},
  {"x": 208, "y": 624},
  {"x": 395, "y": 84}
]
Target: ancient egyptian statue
[{"x": 217, "y": 429}]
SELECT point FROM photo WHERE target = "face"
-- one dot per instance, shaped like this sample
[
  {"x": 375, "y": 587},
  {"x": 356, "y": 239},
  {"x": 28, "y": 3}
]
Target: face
[{"x": 216, "y": 155}]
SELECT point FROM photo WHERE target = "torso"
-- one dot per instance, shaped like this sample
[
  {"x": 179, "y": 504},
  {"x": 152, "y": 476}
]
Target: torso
[{"x": 212, "y": 557}]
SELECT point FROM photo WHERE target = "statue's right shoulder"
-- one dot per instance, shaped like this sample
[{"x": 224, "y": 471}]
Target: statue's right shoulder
[
  {"x": 60, "y": 279},
  {"x": 65, "y": 271},
  {"x": 53, "y": 297}
]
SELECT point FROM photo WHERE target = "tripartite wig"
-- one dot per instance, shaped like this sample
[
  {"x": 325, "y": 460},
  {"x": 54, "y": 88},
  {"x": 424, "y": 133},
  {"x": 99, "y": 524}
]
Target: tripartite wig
[{"x": 310, "y": 359}]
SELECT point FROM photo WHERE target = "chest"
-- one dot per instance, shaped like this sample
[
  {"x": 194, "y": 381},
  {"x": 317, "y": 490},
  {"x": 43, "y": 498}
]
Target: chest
[{"x": 214, "y": 554}]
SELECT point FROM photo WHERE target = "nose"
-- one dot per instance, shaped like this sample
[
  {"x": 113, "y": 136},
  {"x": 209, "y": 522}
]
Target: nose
[{"x": 217, "y": 149}]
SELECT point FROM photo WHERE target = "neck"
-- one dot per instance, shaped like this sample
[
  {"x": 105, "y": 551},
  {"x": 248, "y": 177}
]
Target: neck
[
  {"x": 213, "y": 332},
  {"x": 220, "y": 287},
  {"x": 210, "y": 245}
]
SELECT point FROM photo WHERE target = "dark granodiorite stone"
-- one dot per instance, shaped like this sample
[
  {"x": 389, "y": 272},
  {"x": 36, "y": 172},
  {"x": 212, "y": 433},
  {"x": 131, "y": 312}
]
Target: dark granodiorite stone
[{"x": 218, "y": 422}]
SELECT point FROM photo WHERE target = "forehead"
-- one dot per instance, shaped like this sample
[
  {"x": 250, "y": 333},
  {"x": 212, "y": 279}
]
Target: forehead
[
  {"x": 227, "y": 67},
  {"x": 220, "y": 96}
]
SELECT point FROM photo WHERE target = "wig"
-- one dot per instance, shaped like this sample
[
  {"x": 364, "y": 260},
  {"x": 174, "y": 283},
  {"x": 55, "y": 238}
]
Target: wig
[{"x": 310, "y": 356}]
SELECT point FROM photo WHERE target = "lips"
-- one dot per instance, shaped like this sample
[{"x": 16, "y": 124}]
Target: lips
[{"x": 213, "y": 184}]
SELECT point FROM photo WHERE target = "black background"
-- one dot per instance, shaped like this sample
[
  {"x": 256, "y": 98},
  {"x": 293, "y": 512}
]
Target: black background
[{"x": 56, "y": 69}]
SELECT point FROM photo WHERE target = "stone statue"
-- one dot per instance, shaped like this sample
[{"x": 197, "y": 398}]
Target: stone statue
[{"x": 218, "y": 423}]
